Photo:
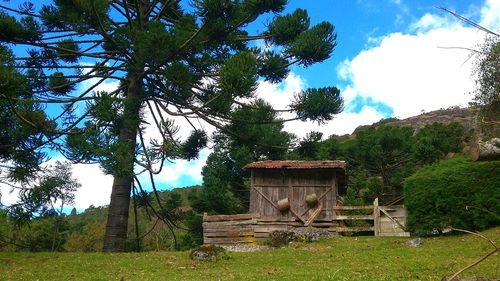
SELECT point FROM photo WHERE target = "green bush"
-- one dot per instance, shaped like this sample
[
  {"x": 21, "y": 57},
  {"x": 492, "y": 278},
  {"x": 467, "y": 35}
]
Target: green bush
[{"x": 457, "y": 193}]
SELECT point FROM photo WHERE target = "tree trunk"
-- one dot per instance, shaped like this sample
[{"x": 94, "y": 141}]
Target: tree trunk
[
  {"x": 488, "y": 150},
  {"x": 115, "y": 237}
]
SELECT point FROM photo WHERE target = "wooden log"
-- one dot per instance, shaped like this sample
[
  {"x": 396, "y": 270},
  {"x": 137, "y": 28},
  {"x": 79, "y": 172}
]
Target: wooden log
[
  {"x": 276, "y": 219},
  {"x": 228, "y": 241},
  {"x": 296, "y": 224},
  {"x": 228, "y": 234},
  {"x": 216, "y": 218},
  {"x": 376, "y": 217},
  {"x": 229, "y": 223},
  {"x": 488, "y": 150},
  {"x": 364, "y": 207},
  {"x": 355, "y": 229},
  {"x": 314, "y": 215},
  {"x": 218, "y": 229},
  {"x": 297, "y": 215},
  {"x": 395, "y": 234},
  {"x": 262, "y": 235},
  {"x": 354, "y": 217}
]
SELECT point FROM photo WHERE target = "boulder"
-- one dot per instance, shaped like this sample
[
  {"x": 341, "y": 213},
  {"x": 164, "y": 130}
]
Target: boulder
[
  {"x": 280, "y": 238},
  {"x": 414, "y": 242},
  {"x": 207, "y": 253}
]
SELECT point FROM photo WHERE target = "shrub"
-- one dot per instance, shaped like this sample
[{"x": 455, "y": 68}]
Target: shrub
[
  {"x": 89, "y": 241},
  {"x": 457, "y": 193}
]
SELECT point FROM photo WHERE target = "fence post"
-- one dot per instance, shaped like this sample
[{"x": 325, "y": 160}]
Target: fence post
[{"x": 376, "y": 217}]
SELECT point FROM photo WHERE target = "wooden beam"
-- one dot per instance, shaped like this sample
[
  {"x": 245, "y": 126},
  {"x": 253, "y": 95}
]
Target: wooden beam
[
  {"x": 292, "y": 185},
  {"x": 354, "y": 229},
  {"x": 363, "y": 207},
  {"x": 376, "y": 217},
  {"x": 297, "y": 215},
  {"x": 314, "y": 215},
  {"x": 353, "y": 217},
  {"x": 215, "y": 218},
  {"x": 265, "y": 197}
]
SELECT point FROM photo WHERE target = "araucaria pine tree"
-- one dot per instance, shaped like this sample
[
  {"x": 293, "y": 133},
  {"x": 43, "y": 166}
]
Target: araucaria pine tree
[{"x": 191, "y": 59}]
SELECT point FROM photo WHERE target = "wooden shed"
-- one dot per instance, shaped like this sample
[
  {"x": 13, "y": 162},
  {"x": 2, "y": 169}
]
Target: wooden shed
[
  {"x": 296, "y": 190},
  {"x": 296, "y": 194}
]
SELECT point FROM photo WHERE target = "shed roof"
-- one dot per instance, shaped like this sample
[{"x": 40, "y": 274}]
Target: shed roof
[{"x": 293, "y": 164}]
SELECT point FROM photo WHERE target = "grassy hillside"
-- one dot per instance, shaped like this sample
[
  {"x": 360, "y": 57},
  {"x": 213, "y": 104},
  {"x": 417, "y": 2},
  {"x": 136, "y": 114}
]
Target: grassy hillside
[{"x": 339, "y": 258}]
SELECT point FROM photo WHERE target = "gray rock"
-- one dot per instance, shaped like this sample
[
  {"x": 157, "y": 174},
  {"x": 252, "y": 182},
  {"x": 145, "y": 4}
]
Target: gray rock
[
  {"x": 280, "y": 238},
  {"x": 414, "y": 242},
  {"x": 207, "y": 253}
]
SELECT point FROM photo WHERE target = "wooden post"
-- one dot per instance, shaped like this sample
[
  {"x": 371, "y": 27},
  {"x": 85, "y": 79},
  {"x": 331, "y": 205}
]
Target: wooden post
[
  {"x": 253, "y": 197},
  {"x": 290, "y": 194},
  {"x": 376, "y": 217},
  {"x": 335, "y": 191}
]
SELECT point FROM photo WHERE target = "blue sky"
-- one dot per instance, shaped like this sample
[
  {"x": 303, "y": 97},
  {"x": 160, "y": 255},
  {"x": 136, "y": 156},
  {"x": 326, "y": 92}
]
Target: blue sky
[{"x": 389, "y": 62}]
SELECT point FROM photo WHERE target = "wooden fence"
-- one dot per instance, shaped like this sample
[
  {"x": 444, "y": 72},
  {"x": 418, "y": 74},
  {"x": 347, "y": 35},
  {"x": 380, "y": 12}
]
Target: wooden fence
[
  {"x": 252, "y": 228},
  {"x": 382, "y": 220}
]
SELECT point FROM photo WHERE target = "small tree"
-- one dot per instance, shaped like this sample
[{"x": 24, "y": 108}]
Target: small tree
[
  {"x": 385, "y": 151},
  {"x": 54, "y": 191},
  {"x": 225, "y": 189},
  {"x": 25, "y": 127},
  {"x": 434, "y": 141}
]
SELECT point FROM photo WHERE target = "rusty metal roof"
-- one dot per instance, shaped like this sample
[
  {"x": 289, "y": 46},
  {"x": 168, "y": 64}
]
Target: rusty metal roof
[{"x": 292, "y": 164}]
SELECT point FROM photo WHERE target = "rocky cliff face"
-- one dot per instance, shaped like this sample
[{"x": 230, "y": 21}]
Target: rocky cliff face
[{"x": 464, "y": 116}]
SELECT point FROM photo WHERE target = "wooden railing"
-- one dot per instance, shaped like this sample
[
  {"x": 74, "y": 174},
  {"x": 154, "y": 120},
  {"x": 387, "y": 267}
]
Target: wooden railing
[
  {"x": 342, "y": 219},
  {"x": 383, "y": 220}
]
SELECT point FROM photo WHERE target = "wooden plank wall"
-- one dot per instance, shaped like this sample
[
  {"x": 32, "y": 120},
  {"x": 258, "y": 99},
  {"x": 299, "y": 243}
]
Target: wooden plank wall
[
  {"x": 275, "y": 184},
  {"x": 229, "y": 229}
]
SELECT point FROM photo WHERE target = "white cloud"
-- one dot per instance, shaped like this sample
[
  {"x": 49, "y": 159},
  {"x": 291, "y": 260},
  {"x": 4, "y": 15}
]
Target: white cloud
[
  {"x": 432, "y": 21},
  {"x": 96, "y": 186},
  {"x": 281, "y": 95},
  {"x": 411, "y": 72},
  {"x": 173, "y": 174},
  {"x": 490, "y": 15},
  {"x": 344, "y": 123}
]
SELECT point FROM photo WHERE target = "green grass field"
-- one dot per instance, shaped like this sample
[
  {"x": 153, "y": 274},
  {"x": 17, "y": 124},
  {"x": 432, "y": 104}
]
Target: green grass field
[{"x": 339, "y": 258}]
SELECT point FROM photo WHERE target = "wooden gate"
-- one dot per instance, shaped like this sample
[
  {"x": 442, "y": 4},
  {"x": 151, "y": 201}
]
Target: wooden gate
[{"x": 382, "y": 220}]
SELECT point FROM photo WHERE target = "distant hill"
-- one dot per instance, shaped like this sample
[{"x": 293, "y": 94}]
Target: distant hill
[{"x": 464, "y": 116}]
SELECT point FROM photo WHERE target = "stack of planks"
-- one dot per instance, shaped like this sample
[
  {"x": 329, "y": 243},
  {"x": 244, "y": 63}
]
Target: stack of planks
[
  {"x": 248, "y": 229},
  {"x": 229, "y": 229}
]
